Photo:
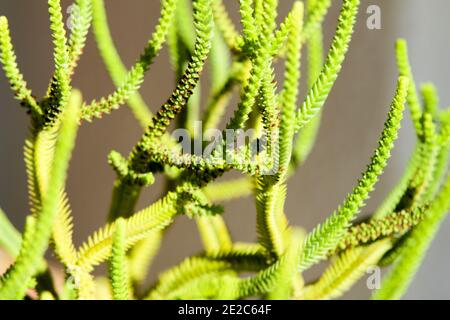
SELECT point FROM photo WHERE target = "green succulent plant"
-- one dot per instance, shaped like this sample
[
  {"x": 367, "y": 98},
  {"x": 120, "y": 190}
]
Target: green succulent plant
[{"x": 198, "y": 32}]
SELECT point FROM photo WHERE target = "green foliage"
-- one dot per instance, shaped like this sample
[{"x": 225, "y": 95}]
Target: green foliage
[
  {"x": 142, "y": 255},
  {"x": 134, "y": 78},
  {"x": 118, "y": 269},
  {"x": 98, "y": 247},
  {"x": 398, "y": 233},
  {"x": 344, "y": 271},
  {"x": 271, "y": 191},
  {"x": 10, "y": 238},
  {"x": 397, "y": 281},
  {"x": 325, "y": 237},
  {"x": 307, "y": 136},
  {"x": 113, "y": 62},
  {"x": 404, "y": 68},
  {"x": 225, "y": 25},
  {"x": 260, "y": 59},
  {"x": 187, "y": 83},
  {"x": 37, "y": 236},
  {"x": 80, "y": 20},
  {"x": 60, "y": 86},
  {"x": 317, "y": 9},
  {"x": 393, "y": 225},
  {"x": 12, "y": 72},
  {"x": 289, "y": 95},
  {"x": 322, "y": 87}
]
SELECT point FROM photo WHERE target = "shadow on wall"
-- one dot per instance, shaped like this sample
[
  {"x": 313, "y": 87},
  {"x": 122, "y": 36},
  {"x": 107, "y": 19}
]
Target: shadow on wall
[{"x": 352, "y": 122}]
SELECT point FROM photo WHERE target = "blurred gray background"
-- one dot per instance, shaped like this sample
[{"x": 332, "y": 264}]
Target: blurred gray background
[{"x": 352, "y": 123}]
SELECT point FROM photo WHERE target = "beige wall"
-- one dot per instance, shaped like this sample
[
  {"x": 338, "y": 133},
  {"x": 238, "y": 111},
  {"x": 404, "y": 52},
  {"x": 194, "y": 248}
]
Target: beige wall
[{"x": 352, "y": 122}]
